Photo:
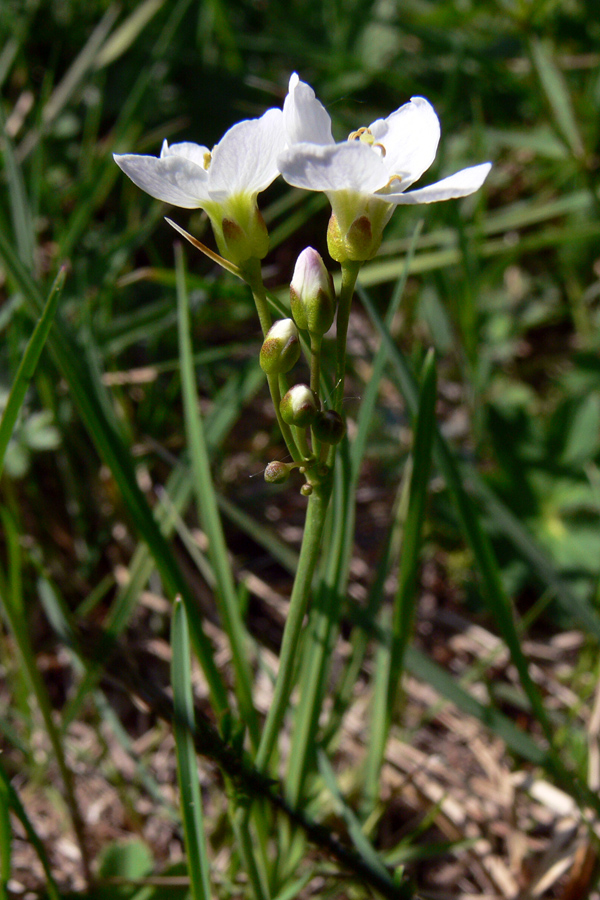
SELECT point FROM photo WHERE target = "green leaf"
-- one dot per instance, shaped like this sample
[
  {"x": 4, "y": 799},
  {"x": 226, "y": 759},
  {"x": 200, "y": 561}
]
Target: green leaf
[
  {"x": 28, "y": 364},
  {"x": 128, "y": 860},
  {"x": 187, "y": 763}
]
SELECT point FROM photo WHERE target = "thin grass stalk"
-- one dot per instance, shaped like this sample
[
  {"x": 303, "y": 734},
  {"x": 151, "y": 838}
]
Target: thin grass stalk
[
  {"x": 187, "y": 765},
  {"x": 66, "y": 355},
  {"x": 392, "y": 660},
  {"x": 15, "y": 617},
  {"x": 28, "y": 365},
  {"x": 13, "y": 803},
  {"x": 493, "y": 592},
  {"x": 5, "y": 838},
  {"x": 226, "y": 595}
]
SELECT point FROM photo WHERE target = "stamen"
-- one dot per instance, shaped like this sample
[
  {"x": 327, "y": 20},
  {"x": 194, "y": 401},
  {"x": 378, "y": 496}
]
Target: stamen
[
  {"x": 358, "y": 135},
  {"x": 207, "y": 159},
  {"x": 383, "y": 151},
  {"x": 397, "y": 178}
]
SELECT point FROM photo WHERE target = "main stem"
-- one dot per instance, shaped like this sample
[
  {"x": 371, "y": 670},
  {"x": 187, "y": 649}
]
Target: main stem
[
  {"x": 350, "y": 272},
  {"x": 309, "y": 553}
]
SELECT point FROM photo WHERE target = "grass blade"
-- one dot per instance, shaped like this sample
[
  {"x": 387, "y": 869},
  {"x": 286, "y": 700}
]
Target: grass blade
[
  {"x": 187, "y": 764},
  {"x": 227, "y": 599},
  {"x": 13, "y": 802},
  {"x": 557, "y": 95},
  {"x": 28, "y": 365},
  {"x": 404, "y": 603},
  {"x": 111, "y": 448}
]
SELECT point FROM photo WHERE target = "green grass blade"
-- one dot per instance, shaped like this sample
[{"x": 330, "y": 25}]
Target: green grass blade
[
  {"x": 16, "y": 619},
  {"x": 208, "y": 508},
  {"x": 187, "y": 763},
  {"x": 392, "y": 661},
  {"x": 14, "y": 803},
  {"x": 28, "y": 365},
  {"x": 517, "y": 740},
  {"x": 557, "y": 94},
  {"x": 359, "y": 839},
  {"x": 481, "y": 548},
  {"x": 19, "y": 204},
  {"x": 404, "y": 603},
  {"x": 67, "y": 357},
  {"x": 5, "y": 839}
]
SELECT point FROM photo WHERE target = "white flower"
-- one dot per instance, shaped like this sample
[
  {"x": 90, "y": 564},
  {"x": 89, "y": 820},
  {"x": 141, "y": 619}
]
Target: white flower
[
  {"x": 224, "y": 182},
  {"x": 368, "y": 175}
]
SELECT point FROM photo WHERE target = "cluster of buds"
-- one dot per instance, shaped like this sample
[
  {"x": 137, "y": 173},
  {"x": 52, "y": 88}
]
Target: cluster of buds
[{"x": 313, "y": 304}]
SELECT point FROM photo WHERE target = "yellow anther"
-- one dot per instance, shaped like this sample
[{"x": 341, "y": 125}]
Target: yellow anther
[
  {"x": 207, "y": 159},
  {"x": 383, "y": 152},
  {"x": 394, "y": 178},
  {"x": 358, "y": 135}
]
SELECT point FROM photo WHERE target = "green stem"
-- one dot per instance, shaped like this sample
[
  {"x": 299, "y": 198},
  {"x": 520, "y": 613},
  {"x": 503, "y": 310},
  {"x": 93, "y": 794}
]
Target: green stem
[
  {"x": 350, "y": 272},
  {"x": 311, "y": 544},
  {"x": 315, "y": 361},
  {"x": 252, "y": 275}
]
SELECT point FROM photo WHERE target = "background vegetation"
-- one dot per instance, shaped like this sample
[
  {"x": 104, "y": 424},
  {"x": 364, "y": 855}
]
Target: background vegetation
[{"x": 489, "y": 785}]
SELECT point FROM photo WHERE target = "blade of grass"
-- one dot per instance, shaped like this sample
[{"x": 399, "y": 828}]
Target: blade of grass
[
  {"x": 14, "y": 803},
  {"x": 392, "y": 662},
  {"x": 226, "y": 596},
  {"x": 492, "y": 589},
  {"x": 5, "y": 839},
  {"x": 111, "y": 448},
  {"x": 28, "y": 365},
  {"x": 19, "y": 204},
  {"x": 557, "y": 94},
  {"x": 359, "y": 839},
  {"x": 16, "y": 619},
  {"x": 71, "y": 81},
  {"x": 187, "y": 763}
]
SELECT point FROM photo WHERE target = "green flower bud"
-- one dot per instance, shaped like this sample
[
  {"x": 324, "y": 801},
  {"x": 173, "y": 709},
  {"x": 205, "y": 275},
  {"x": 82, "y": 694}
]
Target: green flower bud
[
  {"x": 281, "y": 348},
  {"x": 299, "y": 406},
  {"x": 329, "y": 427},
  {"x": 311, "y": 293},
  {"x": 277, "y": 472},
  {"x": 306, "y": 490}
]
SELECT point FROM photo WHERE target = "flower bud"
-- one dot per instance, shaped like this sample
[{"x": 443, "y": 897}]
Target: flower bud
[
  {"x": 281, "y": 348},
  {"x": 311, "y": 293},
  {"x": 329, "y": 427},
  {"x": 306, "y": 490},
  {"x": 299, "y": 406},
  {"x": 277, "y": 472}
]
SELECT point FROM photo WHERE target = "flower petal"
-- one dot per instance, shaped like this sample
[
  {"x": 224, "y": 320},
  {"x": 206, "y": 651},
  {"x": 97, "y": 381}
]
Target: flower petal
[
  {"x": 196, "y": 153},
  {"x": 351, "y": 166},
  {"x": 410, "y": 137},
  {"x": 245, "y": 159},
  {"x": 173, "y": 179},
  {"x": 462, "y": 183},
  {"x": 305, "y": 118}
]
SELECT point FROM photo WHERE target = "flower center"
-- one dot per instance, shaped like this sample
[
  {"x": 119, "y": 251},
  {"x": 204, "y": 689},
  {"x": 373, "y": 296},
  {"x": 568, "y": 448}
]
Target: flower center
[{"x": 366, "y": 136}]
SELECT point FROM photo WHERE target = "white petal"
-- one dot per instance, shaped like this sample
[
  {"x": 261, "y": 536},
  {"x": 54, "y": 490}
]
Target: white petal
[
  {"x": 351, "y": 166},
  {"x": 245, "y": 159},
  {"x": 196, "y": 153},
  {"x": 173, "y": 179},
  {"x": 306, "y": 119},
  {"x": 462, "y": 183},
  {"x": 410, "y": 137}
]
